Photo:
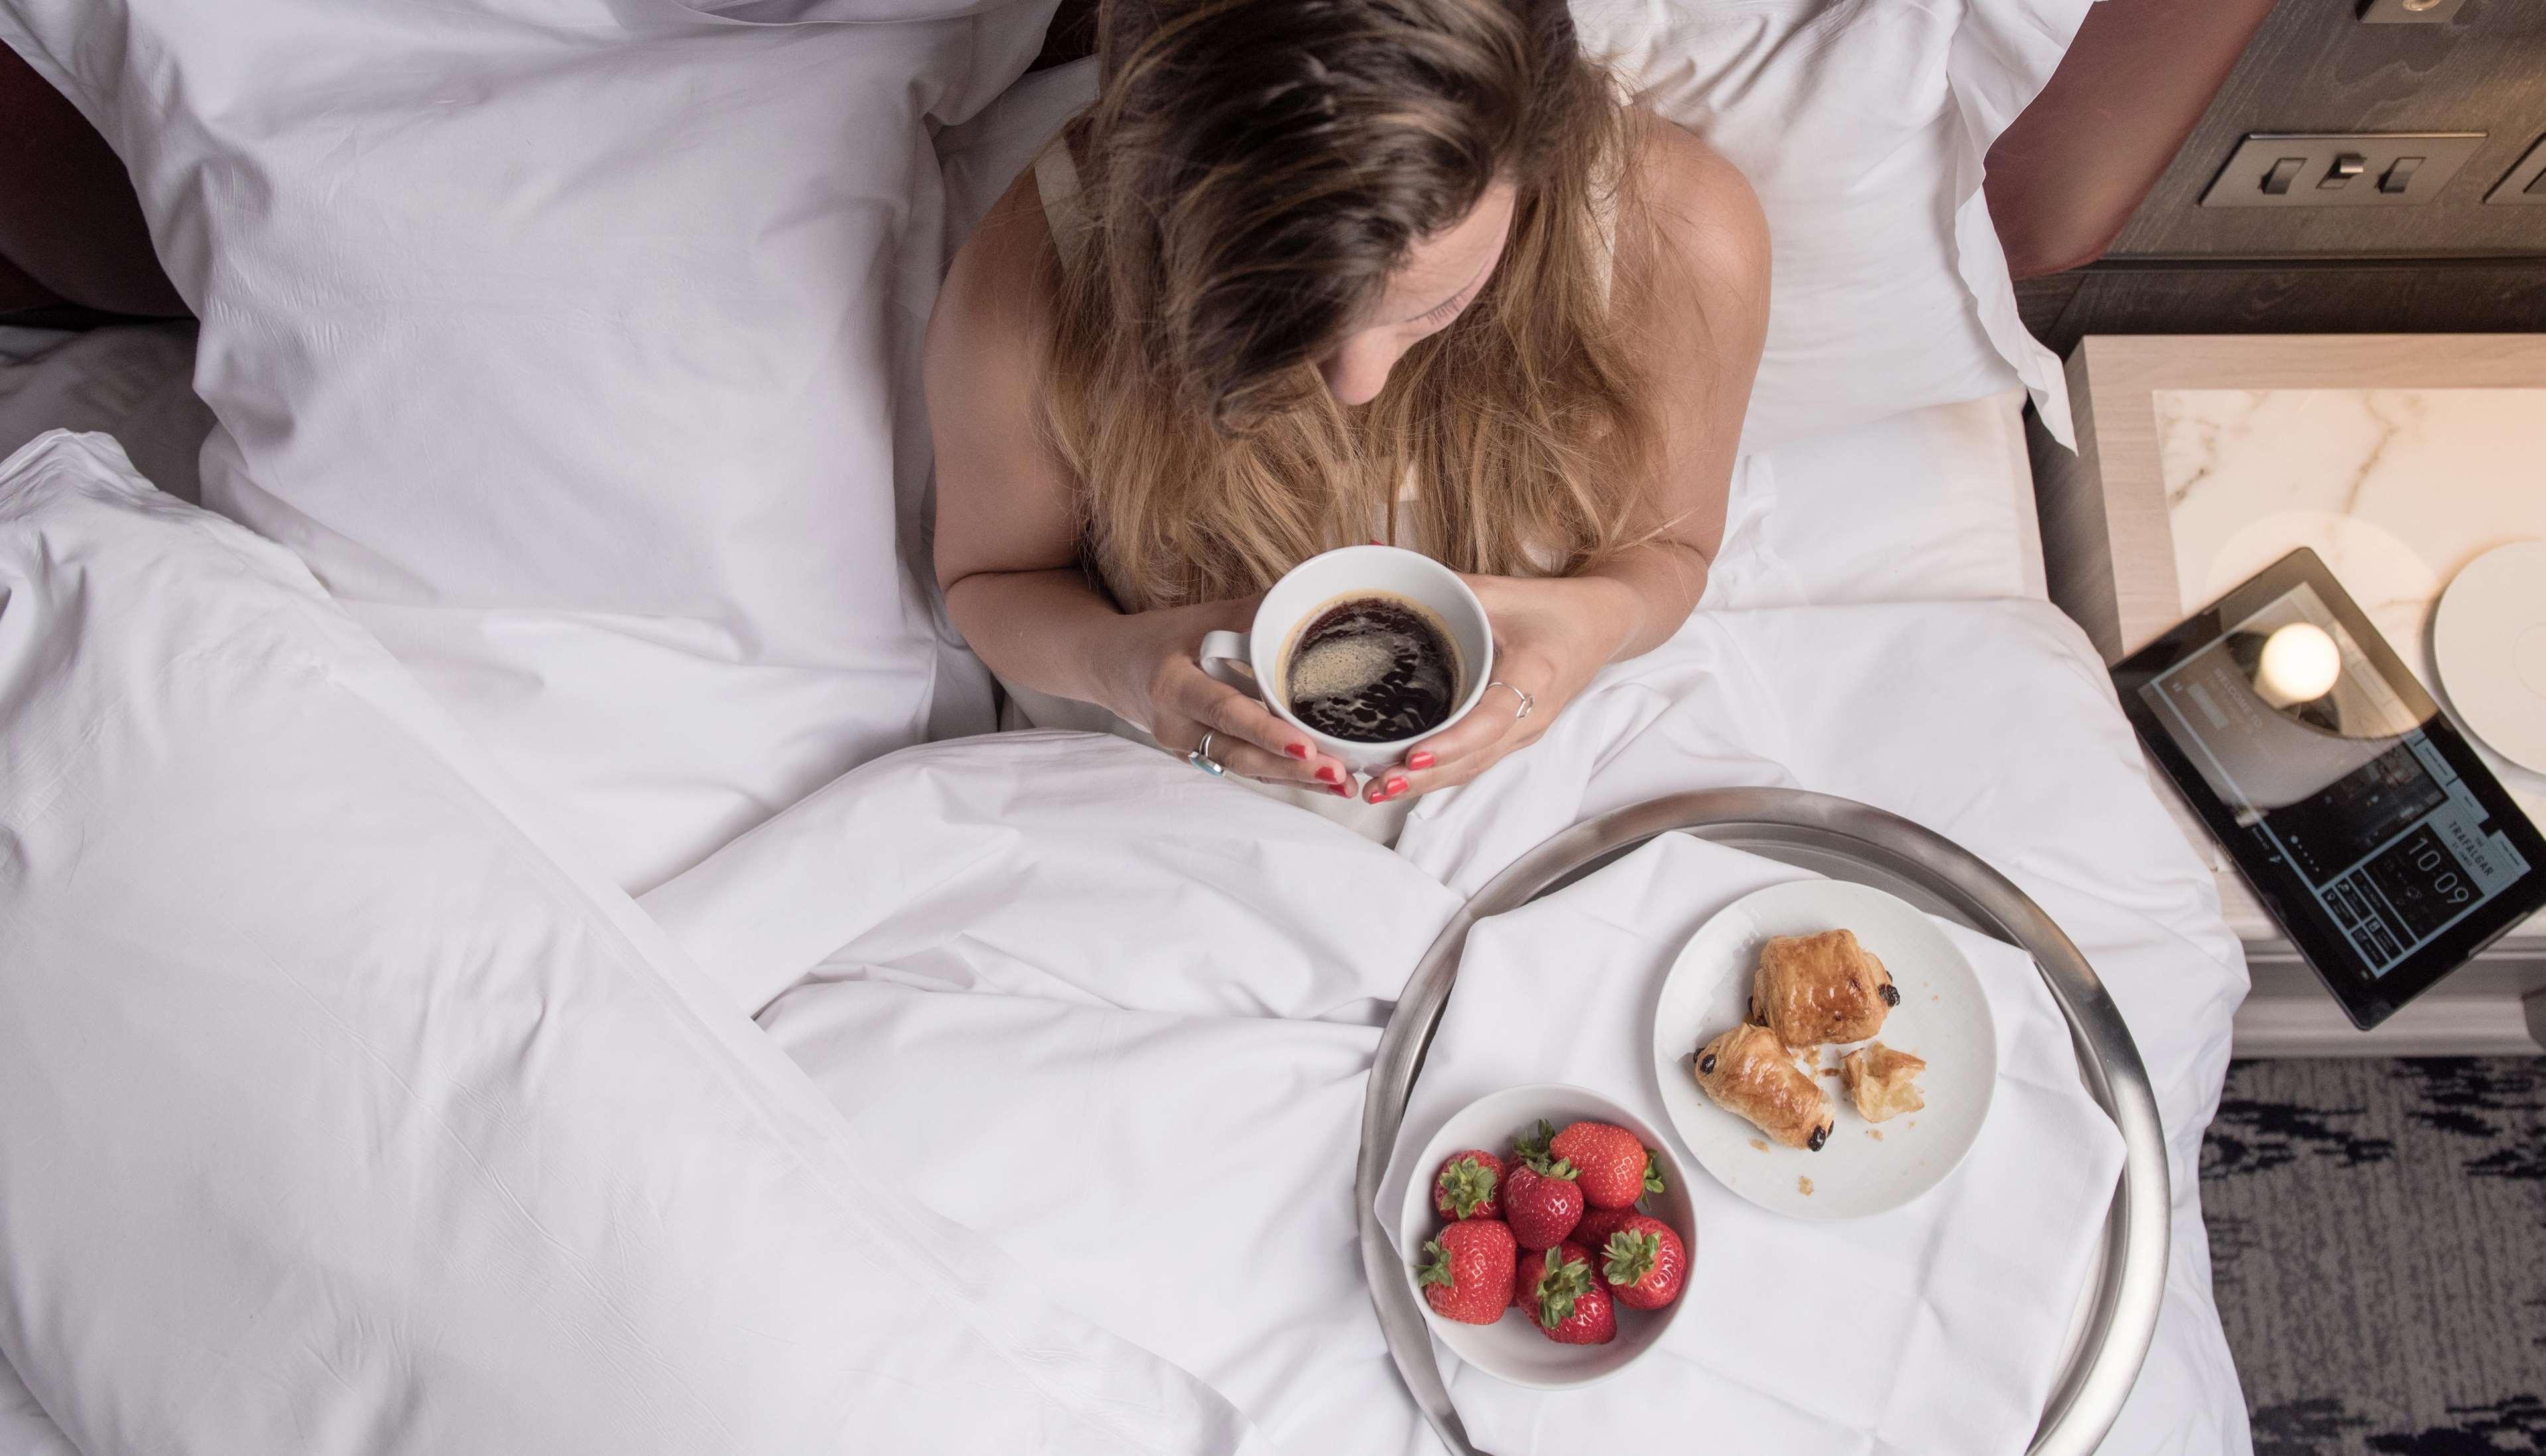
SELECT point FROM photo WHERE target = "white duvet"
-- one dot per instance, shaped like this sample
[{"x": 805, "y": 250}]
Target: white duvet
[
  {"x": 1116, "y": 1017},
  {"x": 312, "y": 1059}
]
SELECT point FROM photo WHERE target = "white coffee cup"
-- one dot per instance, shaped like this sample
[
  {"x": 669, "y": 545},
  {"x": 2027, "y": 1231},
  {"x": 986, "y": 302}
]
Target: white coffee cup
[{"x": 1319, "y": 582}]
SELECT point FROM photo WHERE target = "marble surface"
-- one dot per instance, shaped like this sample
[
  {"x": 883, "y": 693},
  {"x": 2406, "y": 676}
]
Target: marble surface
[{"x": 2396, "y": 489}]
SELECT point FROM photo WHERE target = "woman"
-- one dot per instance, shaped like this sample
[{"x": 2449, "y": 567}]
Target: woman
[{"x": 1315, "y": 272}]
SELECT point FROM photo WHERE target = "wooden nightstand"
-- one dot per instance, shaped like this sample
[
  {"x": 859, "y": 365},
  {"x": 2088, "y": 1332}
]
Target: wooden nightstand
[{"x": 2398, "y": 457}]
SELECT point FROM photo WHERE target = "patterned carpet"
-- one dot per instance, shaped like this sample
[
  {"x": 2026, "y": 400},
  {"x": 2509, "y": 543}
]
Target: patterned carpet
[{"x": 2378, "y": 1239}]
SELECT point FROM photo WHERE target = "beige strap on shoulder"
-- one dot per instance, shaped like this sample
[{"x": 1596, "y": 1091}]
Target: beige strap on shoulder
[{"x": 1056, "y": 183}]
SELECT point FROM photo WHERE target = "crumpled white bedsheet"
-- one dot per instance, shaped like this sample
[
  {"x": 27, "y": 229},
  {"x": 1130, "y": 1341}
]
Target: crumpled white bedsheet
[{"x": 1115, "y": 1016}]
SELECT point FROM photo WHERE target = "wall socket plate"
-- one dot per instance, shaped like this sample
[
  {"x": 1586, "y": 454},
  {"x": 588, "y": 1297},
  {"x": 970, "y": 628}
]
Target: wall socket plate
[
  {"x": 2383, "y": 169},
  {"x": 2524, "y": 185}
]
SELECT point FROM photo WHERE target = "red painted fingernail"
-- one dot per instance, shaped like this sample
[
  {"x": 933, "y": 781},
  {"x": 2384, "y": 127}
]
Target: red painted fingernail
[
  {"x": 1396, "y": 786},
  {"x": 1331, "y": 774},
  {"x": 1343, "y": 790},
  {"x": 1297, "y": 750},
  {"x": 1421, "y": 757}
]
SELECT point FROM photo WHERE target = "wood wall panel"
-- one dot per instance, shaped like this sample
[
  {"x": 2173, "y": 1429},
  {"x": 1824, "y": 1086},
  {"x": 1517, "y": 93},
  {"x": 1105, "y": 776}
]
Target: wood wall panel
[{"x": 2315, "y": 67}]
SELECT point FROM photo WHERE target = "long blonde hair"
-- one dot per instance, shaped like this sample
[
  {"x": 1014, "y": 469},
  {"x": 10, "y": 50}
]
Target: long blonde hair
[{"x": 1252, "y": 171}]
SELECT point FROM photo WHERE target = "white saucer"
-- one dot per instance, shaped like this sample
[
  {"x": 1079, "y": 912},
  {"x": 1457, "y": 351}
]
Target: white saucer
[
  {"x": 1943, "y": 1017},
  {"x": 2488, "y": 646}
]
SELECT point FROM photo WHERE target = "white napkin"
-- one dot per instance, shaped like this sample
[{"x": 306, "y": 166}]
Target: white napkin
[{"x": 1938, "y": 1326}]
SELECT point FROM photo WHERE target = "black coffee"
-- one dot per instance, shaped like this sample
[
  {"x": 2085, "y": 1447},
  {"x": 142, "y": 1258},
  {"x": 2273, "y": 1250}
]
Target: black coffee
[{"x": 1371, "y": 670}]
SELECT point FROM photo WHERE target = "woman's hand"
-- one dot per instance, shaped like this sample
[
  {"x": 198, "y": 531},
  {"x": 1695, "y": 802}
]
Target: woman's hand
[
  {"x": 1551, "y": 635},
  {"x": 1162, "y": 688}
]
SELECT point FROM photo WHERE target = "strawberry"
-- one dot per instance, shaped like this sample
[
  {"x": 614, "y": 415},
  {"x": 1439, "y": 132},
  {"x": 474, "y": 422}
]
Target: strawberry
[
  {"x": 1548, "y": 1272},
  {"x": 1644, "y": 1262},
  {"x": 1471, "y": 1267},
  {"x": 1540, "y": 1196},
  {"x": 1614, "y": 1167},
  {"x": 1466, "y": 1186},
  {"x": 1597, "y": 1225},
  {"x": 1572, "y": 1305}
]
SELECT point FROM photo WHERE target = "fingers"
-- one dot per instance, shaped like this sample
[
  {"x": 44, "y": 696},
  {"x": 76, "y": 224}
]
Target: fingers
[
  {"x": 1490, "y": 731},
  {"x": 1248, "y": 738}
]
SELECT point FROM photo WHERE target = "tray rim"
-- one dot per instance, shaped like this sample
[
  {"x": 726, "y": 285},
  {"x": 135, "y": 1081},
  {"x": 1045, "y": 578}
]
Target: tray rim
[{"x": 2129, "y": 1286}]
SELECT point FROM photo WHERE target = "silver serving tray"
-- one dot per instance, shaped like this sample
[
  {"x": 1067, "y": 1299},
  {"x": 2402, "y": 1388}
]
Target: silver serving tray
[{"x": 2116, "y": 1314}]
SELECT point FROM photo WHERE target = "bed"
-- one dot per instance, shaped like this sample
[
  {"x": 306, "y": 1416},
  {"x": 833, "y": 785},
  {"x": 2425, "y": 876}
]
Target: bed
[{"x": 881, "y": 999}]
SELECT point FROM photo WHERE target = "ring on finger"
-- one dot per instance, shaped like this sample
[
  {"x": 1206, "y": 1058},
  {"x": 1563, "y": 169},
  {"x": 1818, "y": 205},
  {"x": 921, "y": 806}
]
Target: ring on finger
[
  {"x": 1200, "y": 757},
  {"x": 1528, "y": 700}
]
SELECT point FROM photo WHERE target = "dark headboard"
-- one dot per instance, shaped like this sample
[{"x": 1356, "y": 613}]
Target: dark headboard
[
  {"x": 2062, "y": 181},
  {"x": 71, "y": 227}
]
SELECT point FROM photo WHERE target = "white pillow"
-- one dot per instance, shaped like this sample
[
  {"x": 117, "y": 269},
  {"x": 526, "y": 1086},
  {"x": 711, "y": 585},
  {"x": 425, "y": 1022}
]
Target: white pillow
[
  {"x": 338, "y": 1117},
  {"x": 1929, "y": 504},
  {"x": 1862, "y": 124},
  {"x": 573, "y": 345}
]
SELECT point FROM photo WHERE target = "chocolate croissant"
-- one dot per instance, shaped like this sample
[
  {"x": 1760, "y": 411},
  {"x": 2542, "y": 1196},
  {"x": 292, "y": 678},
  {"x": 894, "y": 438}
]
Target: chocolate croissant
[
  {"x": 1813, "y": 989},
  {"x": 1750, "y": 1072}
]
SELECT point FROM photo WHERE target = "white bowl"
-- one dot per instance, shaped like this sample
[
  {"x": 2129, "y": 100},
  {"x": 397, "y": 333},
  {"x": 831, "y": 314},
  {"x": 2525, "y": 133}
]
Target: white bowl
[{"x": 1512, "y": 1348}]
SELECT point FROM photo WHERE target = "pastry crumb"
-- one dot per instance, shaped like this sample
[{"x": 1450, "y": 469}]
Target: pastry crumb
[
  {"x": 1804, "y": 1186},
  {"x": 1759, "y": 1144},
  {"x": 1875, "y": 1133}
]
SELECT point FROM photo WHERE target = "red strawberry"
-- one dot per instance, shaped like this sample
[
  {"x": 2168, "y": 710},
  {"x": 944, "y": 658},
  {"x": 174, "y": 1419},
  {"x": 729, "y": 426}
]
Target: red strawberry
[
  {"x": 1574, "y": 1307},
  {"x": 1597, "y": 1225},
  {"x": 1545, "y": 1271},
  {"x": 1614, "y": 1167},
  {"x": 1540, "y": 1196},
  {"x": 1471, "y": 1267},
  {"x": 1644, "y": 1262},
  {"x": 1466, "y": 1186}
]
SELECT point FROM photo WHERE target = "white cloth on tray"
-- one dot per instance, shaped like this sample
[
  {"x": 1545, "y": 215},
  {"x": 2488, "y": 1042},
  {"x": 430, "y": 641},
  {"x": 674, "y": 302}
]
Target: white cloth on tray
[{"x": 1934, "y": 1327}]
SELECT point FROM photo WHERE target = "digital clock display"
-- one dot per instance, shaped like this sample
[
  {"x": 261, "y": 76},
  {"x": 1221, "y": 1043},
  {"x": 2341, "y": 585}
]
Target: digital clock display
[{"x": 2344, "y": 791}]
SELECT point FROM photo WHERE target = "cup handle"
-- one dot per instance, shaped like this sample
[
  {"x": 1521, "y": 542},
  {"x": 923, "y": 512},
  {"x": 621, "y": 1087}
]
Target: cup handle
[{"x": 1229, "y": 657}]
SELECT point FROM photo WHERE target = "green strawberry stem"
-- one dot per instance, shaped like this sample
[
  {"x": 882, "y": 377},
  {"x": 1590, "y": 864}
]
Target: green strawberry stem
[
  {"x": 1532, "y": 1146},
  {"x": 1632, "y": 1256},
  {"x": 1559, "y": 1287},
  {"x": 1467, "y": 1185},
  {"x": 1652, "y": 1172},
  {"x": 1438, "y": 1270}
]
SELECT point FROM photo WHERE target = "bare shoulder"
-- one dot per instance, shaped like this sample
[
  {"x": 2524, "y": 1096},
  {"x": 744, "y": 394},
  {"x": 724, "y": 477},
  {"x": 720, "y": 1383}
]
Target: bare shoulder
[
  {"x": 1704, "y": 212},
  {"x": 995, "y": 304},
  {"x": 1003, "y": 502}
]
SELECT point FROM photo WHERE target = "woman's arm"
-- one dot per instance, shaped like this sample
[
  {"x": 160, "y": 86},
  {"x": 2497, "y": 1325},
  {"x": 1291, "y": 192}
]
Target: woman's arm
[
  {"x": 1699, "y": 277},
  {"x": 1007, "y": 534}
]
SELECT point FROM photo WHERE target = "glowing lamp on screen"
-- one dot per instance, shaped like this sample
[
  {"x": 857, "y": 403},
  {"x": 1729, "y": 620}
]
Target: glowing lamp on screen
[{"x": 2300, "y": 663}]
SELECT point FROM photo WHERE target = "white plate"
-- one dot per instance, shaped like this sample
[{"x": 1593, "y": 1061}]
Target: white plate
[
  {"x": 1943, "y": 1017},
  {"x": 1512, "y": 1348},
  {"x": 2489, "y": 643}
]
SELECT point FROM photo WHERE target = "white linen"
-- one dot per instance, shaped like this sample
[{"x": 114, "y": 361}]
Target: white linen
[
  {"x": 1931, "y": 1326},
  {"x": 132, "y": 381},
  {"x": 1862, "y": 124},
  {"x": 1930, "y": 504},
  {"x": 574, "y": 346},
  {"x": 337, "y": 1116},
  {"x": 1115, "y": 1016}
]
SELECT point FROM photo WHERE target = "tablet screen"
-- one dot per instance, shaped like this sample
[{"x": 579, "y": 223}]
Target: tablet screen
[{"x": 2366, "y": 824}]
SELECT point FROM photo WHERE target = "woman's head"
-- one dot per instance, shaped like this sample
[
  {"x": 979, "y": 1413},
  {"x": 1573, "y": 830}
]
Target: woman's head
[
  {"x": 1323, "y": 181},
  {"x": 1330, "y": 244}
]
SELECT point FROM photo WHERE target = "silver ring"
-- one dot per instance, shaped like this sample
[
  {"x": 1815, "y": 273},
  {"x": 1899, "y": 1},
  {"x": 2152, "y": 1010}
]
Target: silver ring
[
  {"x": 1200, "y": 757},
  {"x": 1527, "y": 701}
]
